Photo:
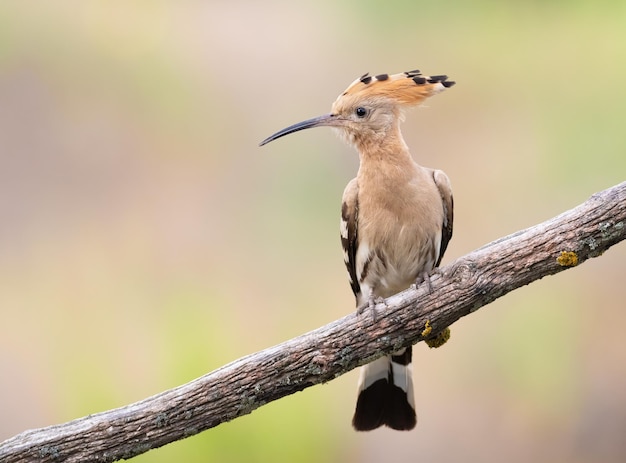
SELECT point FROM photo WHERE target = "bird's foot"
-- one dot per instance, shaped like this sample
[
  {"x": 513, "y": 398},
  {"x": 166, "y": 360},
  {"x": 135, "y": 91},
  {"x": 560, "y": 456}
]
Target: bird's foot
[
  {"x": 425, "y": 277},
  {"x": 371, "y": 306}
]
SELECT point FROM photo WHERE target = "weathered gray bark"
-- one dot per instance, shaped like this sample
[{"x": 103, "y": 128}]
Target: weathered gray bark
[{"x": 242, "y": 386}]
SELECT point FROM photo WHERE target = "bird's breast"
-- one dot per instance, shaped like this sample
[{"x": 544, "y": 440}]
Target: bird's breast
[{"x": 399, "y": 235}]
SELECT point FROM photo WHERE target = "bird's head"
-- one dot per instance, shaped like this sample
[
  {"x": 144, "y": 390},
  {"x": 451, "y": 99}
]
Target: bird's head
[{"x": 372, "y": 106}]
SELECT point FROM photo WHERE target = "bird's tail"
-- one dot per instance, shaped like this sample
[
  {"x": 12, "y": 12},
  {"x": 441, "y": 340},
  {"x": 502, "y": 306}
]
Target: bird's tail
[{"x": 386, "y": 394}]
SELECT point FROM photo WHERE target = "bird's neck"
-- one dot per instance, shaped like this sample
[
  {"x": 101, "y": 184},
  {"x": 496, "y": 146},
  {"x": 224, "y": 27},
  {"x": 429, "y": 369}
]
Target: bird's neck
[{"x": 387, "y": 148}]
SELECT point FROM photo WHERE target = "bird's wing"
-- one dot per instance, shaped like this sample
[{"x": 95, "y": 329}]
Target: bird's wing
[
  {"x": 348, "y": 228},
  {"x": 445, "y": 190}
]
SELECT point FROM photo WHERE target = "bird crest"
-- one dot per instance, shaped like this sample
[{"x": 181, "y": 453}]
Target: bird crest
[{"x": 407, "y": 88}]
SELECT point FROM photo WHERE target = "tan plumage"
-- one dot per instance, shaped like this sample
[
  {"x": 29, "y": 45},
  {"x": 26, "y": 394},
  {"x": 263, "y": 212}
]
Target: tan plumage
[{"x": 396, "y": 222}]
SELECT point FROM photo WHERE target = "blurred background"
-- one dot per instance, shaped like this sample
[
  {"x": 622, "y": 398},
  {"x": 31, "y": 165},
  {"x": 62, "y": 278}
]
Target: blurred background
[{"x": 146, "y": 240}]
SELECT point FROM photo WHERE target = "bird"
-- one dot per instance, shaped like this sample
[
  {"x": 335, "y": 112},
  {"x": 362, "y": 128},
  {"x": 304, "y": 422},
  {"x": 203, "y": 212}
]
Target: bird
[{"x": 396, "y": 222}]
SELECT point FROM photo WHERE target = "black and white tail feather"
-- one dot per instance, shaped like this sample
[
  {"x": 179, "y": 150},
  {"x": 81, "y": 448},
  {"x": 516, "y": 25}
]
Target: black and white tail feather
[{"x": 386, "y": 395}]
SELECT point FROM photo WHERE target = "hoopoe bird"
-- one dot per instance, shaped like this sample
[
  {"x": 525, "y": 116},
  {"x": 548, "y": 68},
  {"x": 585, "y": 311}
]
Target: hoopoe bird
[{"x": 396, "y": 222}]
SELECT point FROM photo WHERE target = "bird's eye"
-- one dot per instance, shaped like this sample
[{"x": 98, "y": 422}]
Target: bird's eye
[{"x": 360, "y": 111}]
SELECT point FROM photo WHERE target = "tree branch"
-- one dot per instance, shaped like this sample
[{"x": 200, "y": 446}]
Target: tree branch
[{"x": 240, "y": 387}]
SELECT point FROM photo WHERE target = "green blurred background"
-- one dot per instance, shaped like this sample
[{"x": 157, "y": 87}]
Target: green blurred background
[{"x": 145, "y": 239}]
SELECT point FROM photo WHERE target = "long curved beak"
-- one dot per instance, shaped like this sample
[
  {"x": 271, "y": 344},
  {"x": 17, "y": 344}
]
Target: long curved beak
[{"x": 325, "y": 120}]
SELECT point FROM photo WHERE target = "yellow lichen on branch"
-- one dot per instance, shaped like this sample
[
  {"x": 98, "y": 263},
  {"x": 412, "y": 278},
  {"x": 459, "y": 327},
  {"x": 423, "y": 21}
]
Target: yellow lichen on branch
[
  {"x": 439, "y": 340},
  {"x": 567, "y": 259},
  {"x": 427, "y": 329}
]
